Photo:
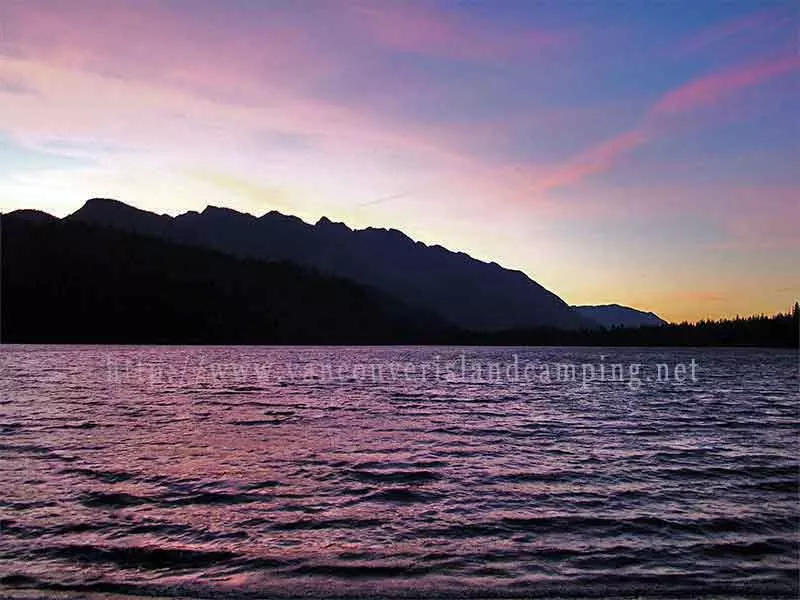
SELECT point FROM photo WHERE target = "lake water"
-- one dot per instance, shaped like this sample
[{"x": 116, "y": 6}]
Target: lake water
[{"x": 247, "y": 471}]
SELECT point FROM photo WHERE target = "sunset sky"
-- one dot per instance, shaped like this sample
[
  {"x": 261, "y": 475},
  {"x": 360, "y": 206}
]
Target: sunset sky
[{"x": 643, "y": 153}]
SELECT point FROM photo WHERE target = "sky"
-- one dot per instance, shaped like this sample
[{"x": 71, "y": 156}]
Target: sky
[{"x": 640, "y": 153}]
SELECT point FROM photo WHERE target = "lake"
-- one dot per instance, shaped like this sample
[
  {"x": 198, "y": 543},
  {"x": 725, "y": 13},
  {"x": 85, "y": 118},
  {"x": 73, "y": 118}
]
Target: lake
[{"x": 398, "y": 471}]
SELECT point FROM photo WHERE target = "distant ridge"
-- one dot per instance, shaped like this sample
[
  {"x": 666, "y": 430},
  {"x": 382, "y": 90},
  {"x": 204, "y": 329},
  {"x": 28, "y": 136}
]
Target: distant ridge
[
  {"x": 614, "y": 315},
  {"x": 462, "y": 290}
]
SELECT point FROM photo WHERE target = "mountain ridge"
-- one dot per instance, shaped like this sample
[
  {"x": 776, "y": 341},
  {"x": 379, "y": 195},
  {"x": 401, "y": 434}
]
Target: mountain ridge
[{"x": 463, "y": 290}]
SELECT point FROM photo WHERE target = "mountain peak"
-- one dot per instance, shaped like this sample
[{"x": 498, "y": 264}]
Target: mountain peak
[
  {"x": 275, "y": 216},
  {"x": 326, "y": 223},
  {"x": 221, "y": 211},
  {"x": 93, "y": 204},
  {"x": 108, "y": 212},
  {"x": 109, "y": 206}
]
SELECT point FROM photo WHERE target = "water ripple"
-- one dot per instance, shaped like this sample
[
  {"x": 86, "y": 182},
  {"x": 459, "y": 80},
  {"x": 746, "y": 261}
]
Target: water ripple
[{"x": 231, "y": 488}]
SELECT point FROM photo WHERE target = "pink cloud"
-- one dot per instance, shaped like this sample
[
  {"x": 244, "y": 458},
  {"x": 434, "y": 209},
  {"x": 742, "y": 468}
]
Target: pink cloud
[
  {"x": 595, "y": 160},
  {"x": 707, "y": 90},
  {"x": 682, "y": 102},
  {"x": 266, "y": 68},
  {"x": 270, "y": 71},
  {"x": 156, "y": 42},
  {"x": 238, "y": 79}
]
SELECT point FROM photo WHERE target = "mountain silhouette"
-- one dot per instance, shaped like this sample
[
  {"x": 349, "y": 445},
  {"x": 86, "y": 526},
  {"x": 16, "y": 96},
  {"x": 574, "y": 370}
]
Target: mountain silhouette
[
  {"x": 464, "y": 291},
  {"x": 65, "y": 281},
  {"x": 69, "y": 282},
  {"x": 614, "y": 315}
]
